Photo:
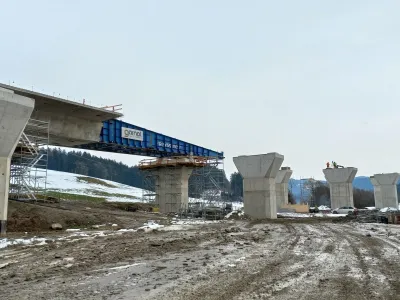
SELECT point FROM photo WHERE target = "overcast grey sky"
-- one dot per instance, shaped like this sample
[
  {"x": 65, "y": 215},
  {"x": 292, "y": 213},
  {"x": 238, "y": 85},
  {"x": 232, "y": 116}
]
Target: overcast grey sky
[{"x": 313, "y": 80}]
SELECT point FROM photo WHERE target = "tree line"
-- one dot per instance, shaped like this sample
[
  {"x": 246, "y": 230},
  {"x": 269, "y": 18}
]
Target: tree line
[{"x": 83, "y": 163}]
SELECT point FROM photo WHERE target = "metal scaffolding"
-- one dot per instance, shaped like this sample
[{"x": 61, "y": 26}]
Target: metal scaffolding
[
  {"x": 28, "y": 171},
  {"x": 206, "y": 187}
]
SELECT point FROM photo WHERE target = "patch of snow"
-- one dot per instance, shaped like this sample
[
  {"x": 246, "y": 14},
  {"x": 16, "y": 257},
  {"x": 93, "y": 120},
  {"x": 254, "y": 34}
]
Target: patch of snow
[
  {"x": 72, "y": 230},
  {"x": 64, "y": 182},
  {"x": 68, "y": 259},
  {"x": 229, "y": 215},
  {"x": 8, "y": 242},
  {"x": 323, "y": 207},
  {"x": 330, "y": 215},
  {"x": 119, "y": 267},
  {"x": 241, "y": 259},
  {"x": 150, "y": 225},
  {"x": 193, "y": 222},
  {"x": 4, "y": 265},
  {"x": 294, "y": 215},
  {"x": 301, "y": 215},
  {"x": 235, "y": 205},
  {"x": 388, "y": 209}
]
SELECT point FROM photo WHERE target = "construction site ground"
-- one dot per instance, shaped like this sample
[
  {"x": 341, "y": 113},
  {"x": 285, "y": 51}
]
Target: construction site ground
[{"x": 306, "y": 258}]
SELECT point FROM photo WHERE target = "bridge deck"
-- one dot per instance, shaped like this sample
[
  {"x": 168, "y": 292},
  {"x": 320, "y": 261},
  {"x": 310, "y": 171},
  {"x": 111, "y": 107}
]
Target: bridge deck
[{"x": 120, "y": 137}]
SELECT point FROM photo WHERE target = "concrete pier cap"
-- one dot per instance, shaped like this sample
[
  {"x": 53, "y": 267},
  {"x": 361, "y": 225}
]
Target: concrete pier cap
[
  {"x": 283, "y": 175},
  {"x": 340, "y": 175},
  {"x": 261, "y": 165},
  {"x": 386, "y": 178},
  {"x": 259, "y": 185},
  {"x": 385, "y": 189},
  {"x": 341, "y": 185}
]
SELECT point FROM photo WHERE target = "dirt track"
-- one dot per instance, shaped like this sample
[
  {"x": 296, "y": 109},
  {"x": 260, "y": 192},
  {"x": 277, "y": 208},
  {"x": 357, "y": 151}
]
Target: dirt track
[{"x": 229, "y": 260}]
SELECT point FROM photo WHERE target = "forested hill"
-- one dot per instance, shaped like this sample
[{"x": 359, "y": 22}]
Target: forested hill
[{"x": 86, "y": 164}]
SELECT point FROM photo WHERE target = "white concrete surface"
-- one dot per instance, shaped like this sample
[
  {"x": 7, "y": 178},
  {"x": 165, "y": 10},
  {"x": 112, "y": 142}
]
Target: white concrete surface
[
  {"x": 282, "y": 186},
  {"x": 259, "y": 185},
  {"x": 71, "y": 123},
  {"x": 385, "y": 189},
  {"x": 341, "y": 186},
  {"x": 15, "y": 112},
  {"x": 172, "y": 188}
]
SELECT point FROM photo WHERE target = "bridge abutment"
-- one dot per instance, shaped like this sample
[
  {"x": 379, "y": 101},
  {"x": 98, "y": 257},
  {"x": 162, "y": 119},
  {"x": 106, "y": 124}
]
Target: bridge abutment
[
  {"x": 15, "y": 112},
  {"x": 259, "y": 185}
]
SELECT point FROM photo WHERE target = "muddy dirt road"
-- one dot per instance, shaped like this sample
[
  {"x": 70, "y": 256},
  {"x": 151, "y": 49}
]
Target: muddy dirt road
[{"x": 228, "y": 260}]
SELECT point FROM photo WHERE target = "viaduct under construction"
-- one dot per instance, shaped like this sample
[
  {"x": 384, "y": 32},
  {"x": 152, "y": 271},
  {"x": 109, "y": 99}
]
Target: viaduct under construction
[{"x": 31, "y": 121}]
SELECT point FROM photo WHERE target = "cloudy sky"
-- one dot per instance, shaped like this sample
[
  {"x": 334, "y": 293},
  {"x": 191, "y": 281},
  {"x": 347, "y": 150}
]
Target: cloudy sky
[{"x": 313, "y": 80}]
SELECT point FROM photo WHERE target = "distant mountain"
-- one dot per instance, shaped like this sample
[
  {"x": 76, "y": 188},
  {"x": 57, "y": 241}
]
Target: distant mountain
[{"x": 363, "y": 183}]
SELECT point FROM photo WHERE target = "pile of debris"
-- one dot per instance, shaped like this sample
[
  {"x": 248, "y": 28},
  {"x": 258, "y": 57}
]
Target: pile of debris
[{"x": 367, "y": 216}]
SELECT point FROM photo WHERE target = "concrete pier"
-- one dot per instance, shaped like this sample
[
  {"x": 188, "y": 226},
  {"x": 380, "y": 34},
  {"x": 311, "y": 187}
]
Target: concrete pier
[
  {"x": 172, "y": 188},
  {"x": 341, "y": 186},
  {"x": 385, "y": 189},
  {"x": 259, "y": 186},
  {"x": 171, "y": 177},
  {"x": 15, "y": 112},
  {"x": 282, "y": 186}
]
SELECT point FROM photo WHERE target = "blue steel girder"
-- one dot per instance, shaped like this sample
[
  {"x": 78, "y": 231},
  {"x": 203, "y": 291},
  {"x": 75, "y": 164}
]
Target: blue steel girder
[{"x": 121, "y": 137}]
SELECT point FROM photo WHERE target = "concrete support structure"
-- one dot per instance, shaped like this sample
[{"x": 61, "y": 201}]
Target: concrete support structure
[
  {"x": 282, "y": 186},
  {"x": 172, "y": 188},
  {"x": 259, "y": 186},
  {"x": 71, "y": 123},
  {"x": 15, "y": 112},
  {"x": 341, "y": 186},
  {"x": 385, "y": 189}
]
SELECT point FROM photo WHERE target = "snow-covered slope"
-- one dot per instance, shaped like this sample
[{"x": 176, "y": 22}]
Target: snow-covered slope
[
  {"x": 70, "y": 186},
  {"x": 75, "y": 184}
]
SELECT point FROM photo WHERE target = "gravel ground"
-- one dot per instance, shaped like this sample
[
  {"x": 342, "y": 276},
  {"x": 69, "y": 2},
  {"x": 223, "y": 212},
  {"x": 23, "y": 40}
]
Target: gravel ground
[{"x": 238, "y": 259}]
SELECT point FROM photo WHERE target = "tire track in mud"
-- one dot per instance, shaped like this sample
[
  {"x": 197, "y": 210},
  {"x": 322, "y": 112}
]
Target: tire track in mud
[
  {"x": 366, "y": 289},
  {"x": 291, "y": 271},
  {"x": 389, "y": 287},
  {"x": 312, "y": 277},
  {"x": 389, "y": 268},
  {"x": 232, "y": 285}
]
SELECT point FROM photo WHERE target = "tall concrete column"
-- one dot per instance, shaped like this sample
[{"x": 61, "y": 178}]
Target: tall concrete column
[
  {"x": 282, "y": 186},
  {"x": 15, "y": 112},
  {"x": 172, "y": 188},
  {"x": 385, "y": 189},
  {"x": 259, "y": 186},
  {"x": 341, "y": 186}
]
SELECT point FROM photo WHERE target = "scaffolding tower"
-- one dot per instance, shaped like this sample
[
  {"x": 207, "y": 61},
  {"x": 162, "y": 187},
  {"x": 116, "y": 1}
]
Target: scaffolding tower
[
  {"x": 206, "y": 185},
  {"x": 28, "y": 172}
]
